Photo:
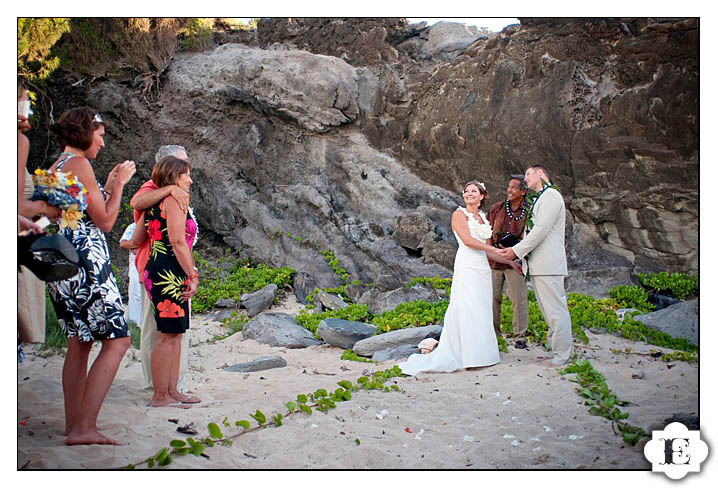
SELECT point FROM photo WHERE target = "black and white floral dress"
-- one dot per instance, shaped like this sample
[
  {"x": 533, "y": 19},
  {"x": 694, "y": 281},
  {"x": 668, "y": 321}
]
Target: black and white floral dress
[{"x": 89, "y": 305}]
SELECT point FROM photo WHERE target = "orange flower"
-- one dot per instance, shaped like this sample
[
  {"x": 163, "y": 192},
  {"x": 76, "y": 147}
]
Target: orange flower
[{"x": 166, "y": 309}]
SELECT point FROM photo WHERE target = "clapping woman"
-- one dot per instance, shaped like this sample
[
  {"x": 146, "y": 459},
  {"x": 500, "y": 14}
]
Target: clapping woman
[
  {"x": 88, "y": 305},
  {"x": 170, "y": 278}
]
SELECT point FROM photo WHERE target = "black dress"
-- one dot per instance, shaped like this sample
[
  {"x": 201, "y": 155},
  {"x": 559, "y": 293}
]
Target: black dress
[
  {"x": 89, "y": 305},
  {"x": 164, "y": 278}
]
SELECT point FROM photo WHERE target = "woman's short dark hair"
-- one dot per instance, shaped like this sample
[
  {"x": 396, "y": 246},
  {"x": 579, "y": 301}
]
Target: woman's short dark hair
[
  {"x": 168, "y": 170},
  {"x": 481, "y": 188},
  {"x": 75, "y": 127}
]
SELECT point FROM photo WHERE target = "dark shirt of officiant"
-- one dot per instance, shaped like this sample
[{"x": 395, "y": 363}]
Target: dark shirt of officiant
[{"x": 504, "y": 219}]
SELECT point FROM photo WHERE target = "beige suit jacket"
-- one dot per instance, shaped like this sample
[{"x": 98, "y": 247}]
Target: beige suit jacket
[{"x": 545, "y": 242}]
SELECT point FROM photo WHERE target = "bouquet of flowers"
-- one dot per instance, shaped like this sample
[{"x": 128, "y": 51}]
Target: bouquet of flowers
[{"x": 62, "y": 190}]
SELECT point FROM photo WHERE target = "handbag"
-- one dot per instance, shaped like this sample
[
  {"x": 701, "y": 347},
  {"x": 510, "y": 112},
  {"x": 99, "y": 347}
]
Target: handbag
[
  {"x": 507, "y": 241},
  {"x": 51, "y": 257}
]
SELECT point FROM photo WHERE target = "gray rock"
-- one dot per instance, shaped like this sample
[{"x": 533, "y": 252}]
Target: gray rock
[
  {"x": 225, "y": 303},
  {"x": 263, "y": 363},
  {"x": 343, "y": 333},
  {"x": 379, "y": 302},
  {"x": 410, "y": 229},
  {"x": 278, "y": 329},
  {"x": 256, "y": 302},
  {"x": 392, "y": 339},
  {"x": 447, "y": 40},
  {"x": 219, "y": 314},
  {"x": 679, "y": 320},
  {"x": 354, "y": 292},
  {"x": 598, "y": 281},
  {"x": 330, "y": 301},
  {"x": 304, "y": 283},
  {"x": 396, "y": 353},
  {"x": 621, "y": 313}
]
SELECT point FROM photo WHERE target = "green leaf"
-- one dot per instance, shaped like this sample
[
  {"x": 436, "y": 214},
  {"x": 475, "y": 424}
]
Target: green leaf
[
  {"x": 301, "y": 398},
  {"x": 129, "y": 467},
  {"x": 151, "y": 462},
  {"x": 305, "y": 409},
  {"x": 243, "y": 423},
  {"x": 346, "y": 384},
  {"x": 214, "y": 431},
  {"x": 197, "y": 449},
  {"x": 291, "y": 405},
  {"x": 259, "y": 417},
  {"x": 177, "y": 443},
  {"x": 356, "y": 440}
]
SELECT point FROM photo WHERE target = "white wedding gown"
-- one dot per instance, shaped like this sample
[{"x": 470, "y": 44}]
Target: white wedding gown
[{"x": 468, "y": 338}]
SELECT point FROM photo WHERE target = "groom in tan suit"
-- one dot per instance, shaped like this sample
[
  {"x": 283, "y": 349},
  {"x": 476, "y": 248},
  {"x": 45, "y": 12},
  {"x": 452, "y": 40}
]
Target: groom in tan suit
[{"x": 544, "y": 257}]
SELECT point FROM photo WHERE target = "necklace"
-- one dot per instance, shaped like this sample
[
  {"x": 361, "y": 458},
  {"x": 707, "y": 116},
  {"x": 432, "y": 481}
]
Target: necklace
[{"x": 511, "y": 214}]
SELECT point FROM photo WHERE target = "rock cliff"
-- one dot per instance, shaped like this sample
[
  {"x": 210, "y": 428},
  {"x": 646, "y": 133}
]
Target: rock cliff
[{"x": 355, "y": 135}]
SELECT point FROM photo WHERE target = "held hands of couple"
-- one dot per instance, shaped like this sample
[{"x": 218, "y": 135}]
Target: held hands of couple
[{"x": 507, "y": 253}]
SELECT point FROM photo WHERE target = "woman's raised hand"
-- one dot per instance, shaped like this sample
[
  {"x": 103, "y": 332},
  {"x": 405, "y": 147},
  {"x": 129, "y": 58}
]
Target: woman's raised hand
[{"x": 125, "y": 170}]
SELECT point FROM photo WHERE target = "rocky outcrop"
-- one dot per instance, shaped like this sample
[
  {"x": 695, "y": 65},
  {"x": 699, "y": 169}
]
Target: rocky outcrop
[{"x": 342, "y": 131}]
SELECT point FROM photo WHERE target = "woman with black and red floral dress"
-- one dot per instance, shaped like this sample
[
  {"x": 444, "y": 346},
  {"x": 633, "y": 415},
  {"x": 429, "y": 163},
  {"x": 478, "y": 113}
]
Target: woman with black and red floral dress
[{"x": 170, "y": 279}]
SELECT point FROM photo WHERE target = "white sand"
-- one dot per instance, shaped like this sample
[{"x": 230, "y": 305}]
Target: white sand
[{"x": 515, "y": 415}]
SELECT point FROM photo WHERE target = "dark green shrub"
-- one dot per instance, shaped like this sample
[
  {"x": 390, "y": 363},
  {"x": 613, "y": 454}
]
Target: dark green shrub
[
  {"x": 678, "y": 285},
  {"x": 631, "y": 296},
  {"x": 410, "y": 314}
]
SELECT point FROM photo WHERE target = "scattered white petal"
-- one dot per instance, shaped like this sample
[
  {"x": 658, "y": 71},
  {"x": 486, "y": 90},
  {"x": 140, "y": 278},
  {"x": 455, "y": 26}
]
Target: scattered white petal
[
  {"x": 497, "y": 394},
  {"x": 418, "y": 435},
  {"x": 468, "y": 438},
  {"x": 405, "y": 445},
  {"x": 509, "y": 436},
  {"x": 381, "y": 415},
  {"x": 313, "y": 425},
  {"x": 572, "y": 437},
  {"x": 547, "y": 428},
  {"x": 506, "y": 402},
  {"x": 534, "y": 438},
  {"x": 513, "y": 418},
  {"x": 535, "y": 449},
  {"x": 515, "y": 443}
]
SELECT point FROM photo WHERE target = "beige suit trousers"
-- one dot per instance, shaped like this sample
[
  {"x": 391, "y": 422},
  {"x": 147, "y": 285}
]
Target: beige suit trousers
[
  {"x": 148, "y": 339},
  {"x": 518, "y": 293},
  {"x": 551, "y": 298}
]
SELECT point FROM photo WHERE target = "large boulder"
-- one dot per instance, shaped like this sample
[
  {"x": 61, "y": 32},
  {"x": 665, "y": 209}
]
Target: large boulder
[
  {"x": 378, "y": 302},
  {"x": 343, "y": 333},
  {"x": 278, "y": 329},
  {"x": 258, "y": 301},
  {"x": 597, "y": 282},
  {"x": 393, "y": 339},
  {"x": 679, "y": 320},
  {"x": 395, "y": 353}
]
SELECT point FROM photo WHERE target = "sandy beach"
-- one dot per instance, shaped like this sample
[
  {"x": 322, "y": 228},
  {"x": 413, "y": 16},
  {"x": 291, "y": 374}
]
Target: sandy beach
[{"x": 518, "y": 414}]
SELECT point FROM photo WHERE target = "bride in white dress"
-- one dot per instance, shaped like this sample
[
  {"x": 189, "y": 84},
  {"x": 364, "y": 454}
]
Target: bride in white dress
[{"x": 467, "y": 338}]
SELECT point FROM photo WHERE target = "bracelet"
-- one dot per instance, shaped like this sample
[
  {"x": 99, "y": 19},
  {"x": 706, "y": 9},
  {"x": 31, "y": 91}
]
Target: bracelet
[{"x": 190, "y": 278}]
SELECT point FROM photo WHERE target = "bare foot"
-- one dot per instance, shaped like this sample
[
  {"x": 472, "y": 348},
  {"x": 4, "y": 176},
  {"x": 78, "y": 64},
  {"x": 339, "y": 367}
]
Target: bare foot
[
  {"x": 168, "y": 402},
  {"x": 89, "y": 437},
  {"x": 177, "y": 396}
]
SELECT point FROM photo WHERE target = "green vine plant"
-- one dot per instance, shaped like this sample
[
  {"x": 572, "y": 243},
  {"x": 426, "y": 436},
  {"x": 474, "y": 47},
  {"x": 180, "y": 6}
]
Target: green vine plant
[
  {"x": 683, "y": 356},
  {"x": 601, "y": 400},
  {"x": 321, "y": 400}
]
